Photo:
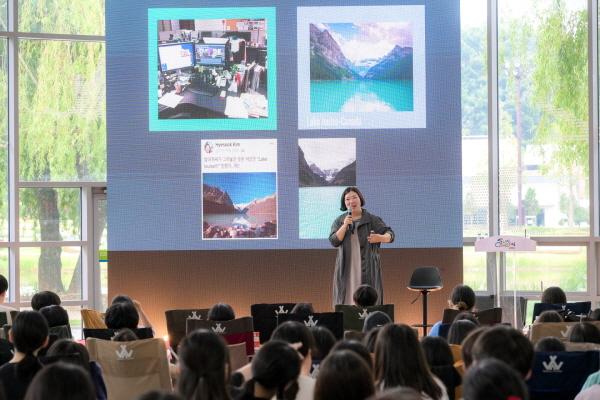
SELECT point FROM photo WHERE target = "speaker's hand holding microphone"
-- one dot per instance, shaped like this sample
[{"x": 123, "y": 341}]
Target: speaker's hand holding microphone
[{"x": 348, "y": 221}]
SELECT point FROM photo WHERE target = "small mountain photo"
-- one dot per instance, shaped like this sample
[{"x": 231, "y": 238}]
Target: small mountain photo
[{"x": 327, "y": 162}]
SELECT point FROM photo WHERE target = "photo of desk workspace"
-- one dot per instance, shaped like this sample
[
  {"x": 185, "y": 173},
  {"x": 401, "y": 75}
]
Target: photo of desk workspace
[{"x": 213, "y": 69}]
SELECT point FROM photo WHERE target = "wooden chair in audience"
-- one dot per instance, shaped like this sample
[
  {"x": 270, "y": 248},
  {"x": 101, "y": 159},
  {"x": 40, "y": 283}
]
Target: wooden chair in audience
[
  {"x": 108, "y": 334},
  {"x": 239, "y": 330},
  {"x": 131, "y": 368},
  {"x": 176, "y": 323},
  {"x": 560, "y": 375},
  {"x": 334, "y": 321},
  {"x": 354, "y": 316},
  {"x": 237, "y": 355},
  {"x": 92, "y": 319},
  {"x": 264, "y": 316}
]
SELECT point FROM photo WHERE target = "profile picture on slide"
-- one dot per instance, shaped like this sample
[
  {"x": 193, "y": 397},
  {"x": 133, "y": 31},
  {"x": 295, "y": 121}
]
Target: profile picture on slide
[{"x": 361, "y": 67}]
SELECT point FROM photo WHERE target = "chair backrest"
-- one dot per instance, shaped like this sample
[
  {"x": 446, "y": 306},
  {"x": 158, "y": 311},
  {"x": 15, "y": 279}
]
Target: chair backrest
[
  {"x": 131, "y": 368},
  {"x": 491, "y": 316},
  {"x": 507, "y": 303},
  {"x": 265, "y": 317},
  {"x": 108, "y": 334},
  {"x": 559, "y": 330},
  {"x": 237, "y": 356},
  {"x": 578, "y": 308},
  {"x": 61, "y": 332},
  {"x": 334, "y": 321},
  {"x": 425, "y": 278},
  {"x": 176, "y": 323},
  {"x": 354, "y": 316},
  {"x": 92, "y": 319},
  {"x": 239, "y": 330},
  {"x": 560, "y": 375},
  {"x": 444, "y": 329}
]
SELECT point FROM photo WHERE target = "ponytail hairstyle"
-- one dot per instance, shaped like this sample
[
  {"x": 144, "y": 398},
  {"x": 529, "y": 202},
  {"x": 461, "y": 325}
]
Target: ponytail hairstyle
[
  {"x": 29, "y": 333},
  {"x": 462, "y": 298},
  {"x": 276, "y": 367},
  {"x": 204, "y": 361}
]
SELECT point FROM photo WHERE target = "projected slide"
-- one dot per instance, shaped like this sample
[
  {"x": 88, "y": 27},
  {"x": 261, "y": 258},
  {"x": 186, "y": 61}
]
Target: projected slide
[
  {"x": 325, "y": 168},
  {"x": 239, "y": 189},
  {"x": 361, "y": 67},
  {"x": 214, "y": 69}
]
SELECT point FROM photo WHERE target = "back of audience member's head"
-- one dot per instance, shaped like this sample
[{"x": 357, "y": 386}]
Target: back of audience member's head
[
  {"x": 43, "y": 299},
  {"x": 121, "y": 315},
  {"x": 584, "y": 332},
  {"x": 365, "y": 296},
  {"x": 354, "y": 335},
  {"x": 159, "y": 395},
  {"x": 595, "y": 315},
  {"x": 375, "y": 319},
  {"x": 549, "y": 344},
  {"x": 324, "y": 341},
  {"x": 459, "y": 330},
  {"x": 3, "y": 286},
  {"x": 466, "y": 316},
  {"x": 462, "y": 298},
  {"x": 505, "y": 344},
  {"x": 28, "y": 334},
  {"x": 466, "y": 349},
  {"x": 303, "y": 308},
  {"x": 221, "y": 312},
  {"x": 436, "y": 350},
  {"x": 61, "y": 381},
  {"x": 204, "y": 365},
  {"x": 295, "y": 332},
  {"x": 55, "y": 315},
  {"x": 358, "y": 348},
  {"x": 371, "y": 338},
  {"x": 399, "y": 361},
  {"x": 549, "y": 316},
  {"x": 121, "y": 298},
  {"x": 344, "y": 375},
  {"x": 276, "y": 367},
  {"x": 69, "y": 351},
  {"x": 492, "y": 379},
  {"x": 554, "y": 295},
  {"x": 397, "y": 393},
  {"x": 124, "y": 335}
]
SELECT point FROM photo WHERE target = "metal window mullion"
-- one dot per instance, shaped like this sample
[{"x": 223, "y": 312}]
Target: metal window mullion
[
  {"x": 61, "y": 184},
  {"x": 55, "y": 243},
  {"x": 594, "y": 165},
  {"x": 87, "y": 250}
]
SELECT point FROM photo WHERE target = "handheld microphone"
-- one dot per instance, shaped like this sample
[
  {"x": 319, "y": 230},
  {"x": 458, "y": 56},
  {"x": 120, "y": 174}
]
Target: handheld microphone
[{"x": 351, "y": 226}]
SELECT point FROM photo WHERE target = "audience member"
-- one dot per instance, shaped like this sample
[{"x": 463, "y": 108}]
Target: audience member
[
  {"x": 303, "y": 308},
  {"x": 399, "y": 361},
  {"x": 549, "y": 343},
  {"x": 554, "y": 295},
  {"x": 365, "y": 296},
  {"x": 595, "y": 315},
  {"x": 584, "y": 332},
  {"x": 29, "y": 334},
  {"x": 591, "y": 393},
  {"x": 358, "y": 348},
  {"x": 55, "y": 315},
  {"x": 376, "y": 319},
  {"x": 492, "y": 379},
  {"x": 160, "y": 395},
  {"x": 125, "y": 335},
  {"x": 467, "y": 316},
  {"x": 467, "y": 346},
  {"x": 61, "y": 381},
  {"x": 3, "y": 293},
  {"x": 440, "y": 360},
  {"x": 221, "y": 312},
  {"x": 344, "y": 376},
  {"x": 69, "y": 351},
  {"x": 43, "y": 299},
  {"x": 459, "y": 330},
  {"x": 121, "y": 315},
  {"x": 549, "y": 316},
  {"x": 275, "y": 370},
  {"x": 462, "y": 299},
  {"x": 144, "y": 322},
  {"x": 371, "y": 338},
  {"x": 505, "y": 344},
  {"x": 398, "y": 393},
  {"x": 204, "y": 367},
  {"x": 324, "y": 341}
]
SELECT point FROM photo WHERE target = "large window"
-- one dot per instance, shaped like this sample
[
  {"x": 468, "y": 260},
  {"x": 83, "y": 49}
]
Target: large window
[
  {"x": 538, "y": 181},
  {"x": 53, "y": 121}
]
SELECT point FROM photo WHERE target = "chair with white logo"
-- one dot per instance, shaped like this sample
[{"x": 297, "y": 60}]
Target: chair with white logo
[
  {"x": 354, "y": 316},
  {"x": 579, "y": 308},
  {"x": 176, "y": 323},
  {"x": 334, "y": 321},
  {"x": 559, "y": 330},
  {"x": 108, "y": 334},
  {"x": 265, "y": 317},
  {"x": 237, "y": 356},
  {"x": 560, "y": 375},
  {"x": 131, "y": 368},
  {"x": 239, "y": 330}
]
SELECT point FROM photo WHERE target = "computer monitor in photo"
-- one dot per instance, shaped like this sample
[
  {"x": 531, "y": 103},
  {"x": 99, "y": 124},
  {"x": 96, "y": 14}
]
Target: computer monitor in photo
[
  {"x": 210, "y": 54},
  {"x": 176, "y": 56}
]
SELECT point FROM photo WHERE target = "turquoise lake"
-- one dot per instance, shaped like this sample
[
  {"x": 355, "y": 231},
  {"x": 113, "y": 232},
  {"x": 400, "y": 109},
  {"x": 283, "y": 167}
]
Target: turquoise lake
[
  {"x": 318, "y": 207},
  {"x": 361, "y": 96}
]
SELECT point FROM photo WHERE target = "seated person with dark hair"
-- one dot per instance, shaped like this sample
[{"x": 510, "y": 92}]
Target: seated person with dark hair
[
  {"x": 3, "y": 291},
  {"x": 43, "y": 299},
  {"x": 549, "y": 344},
  {"x": 549, "y": 316},
  {"x": 505, "y": 344},
  {"x": 125, "y": 335},
  {"x": 55, "y": 315},
  {"x": 554, "y": 295},
  {"x": 365, "y": 296},
  {"x": 221, "y": 312},
  {"x": 584, "y": 332},
  {"x": 144, "y": 321},
  {"x": 302, "y": 308},
  {"x": 462, "y": 298},
  {"x": 122, "y": 315}
]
